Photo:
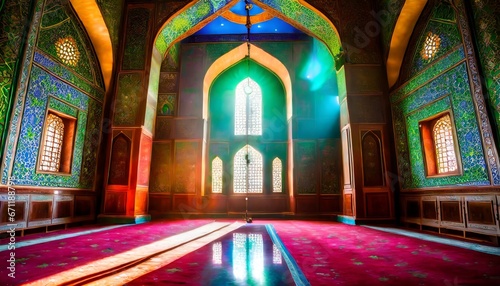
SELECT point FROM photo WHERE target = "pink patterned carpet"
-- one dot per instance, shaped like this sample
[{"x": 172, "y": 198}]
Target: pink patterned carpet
[{"x": 328, "y": 253}]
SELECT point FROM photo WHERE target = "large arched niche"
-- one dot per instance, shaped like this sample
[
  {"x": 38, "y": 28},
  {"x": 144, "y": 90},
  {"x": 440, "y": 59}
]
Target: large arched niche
[
  {"x": 198, "y": 13},
  {"x": 258, "y": 55},
  {"x": 267, "y": 61}
]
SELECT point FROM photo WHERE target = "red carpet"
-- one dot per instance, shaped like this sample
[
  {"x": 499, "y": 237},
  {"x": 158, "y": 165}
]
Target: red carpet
[
  {"x": 42, "y": 260},
  {"x": 339, "y": 254},
  {"x": 328, "y": 253},
  {"x": 246, "y": 256}
]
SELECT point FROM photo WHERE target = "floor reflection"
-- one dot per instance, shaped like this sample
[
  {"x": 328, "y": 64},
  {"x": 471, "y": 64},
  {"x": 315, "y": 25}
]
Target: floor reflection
[{"x": 252, "y": 258}]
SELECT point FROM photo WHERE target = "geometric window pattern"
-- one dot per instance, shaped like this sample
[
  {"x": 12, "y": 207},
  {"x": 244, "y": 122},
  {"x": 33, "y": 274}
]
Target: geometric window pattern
[
  {"x": 217, "y": 175},
  {"x": 277, "y": 180},
  {"x": 248, "y": 162},
  {"x": 248, "y": 97},
  {"x": 67, "y": 51},
  {"x": 217, "y": 253},
  {"x": 52, "y": 147},
  {"x": 276, "y": 255},
  {"x": 431, "y": 46},
  {"x": 444, "y": 144}
]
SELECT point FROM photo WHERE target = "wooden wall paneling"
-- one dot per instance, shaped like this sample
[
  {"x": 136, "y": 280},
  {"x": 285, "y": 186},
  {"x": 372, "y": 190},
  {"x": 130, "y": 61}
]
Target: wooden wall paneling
[
  {"x": 378, "y": 205},
  {"x": 306, "y": 204},
  {"x": 63, "y": 209},
  {"x": 115, "y": 202},
  {"x": 216, "y": 203},
  {"x": 430, "y": 215},
  {"x": 84, "y": 208},
  {"x": 481, "y": 214},
  {"x": 330, "y": 204},
  {"x": 20, "y": 208},
  {"x": 451, "y": 212},
  {"x": 160, "y": 203},
  {"x": 40, "y": 210},
  {"x": 412, "y": 210},
  {"x": 141, "y": 201}
]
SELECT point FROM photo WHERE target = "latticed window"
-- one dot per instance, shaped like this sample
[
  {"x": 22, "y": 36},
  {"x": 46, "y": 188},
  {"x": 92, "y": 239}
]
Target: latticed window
[
  {"x": 67, "y": 51},
  {"x": 248, "y": 108},
  {"x": 217, "y": 175},
  {"x": 444, "y": 144},
  {"x": 276, "y": 255},
  {"x": 217, "y": 253},
  {"x": 277, "y": 177},
  {"x": 53, "y": 142},
  {"x": 431, "y": 46},
  {"x": 248, "y": 175}
]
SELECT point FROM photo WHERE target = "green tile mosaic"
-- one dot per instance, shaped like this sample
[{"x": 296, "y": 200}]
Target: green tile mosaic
[
  {"x": 431, "y": 72},
  {"x": 448, "y": 91},
  {"x": 47, "y": 83},
  {"x": 134, "y": 53},
  {"x": 60, "y": 106},
  {"x": 24, "y": 168},
  {"x": 292, "y": 9},
  {"x": 23, "y": 83},
  {"x": 59, "y": 22},
  {"x": 112, "y": 13},
  {"x": 12, "y": 17},
  {"x": 487, "y": 31},
  {"x": 450, "y": 38},
  {"x": 128, "y": 99},
  {"x": 388, "y": 14}
]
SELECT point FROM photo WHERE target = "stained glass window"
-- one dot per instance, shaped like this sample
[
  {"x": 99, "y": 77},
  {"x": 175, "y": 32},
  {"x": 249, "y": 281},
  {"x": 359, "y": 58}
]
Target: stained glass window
[
  {"x": 217, "y": 175},
  {"x": 53, "y": 141},
  {"x": 67, "y": 51},
  {"x": 248, "y": 98},
  {"x": 248, "y": 161},
  {"x": 431, "y": 46},
  {"x": 277, "y": 177},
  {"x": 445, "y": 147}
]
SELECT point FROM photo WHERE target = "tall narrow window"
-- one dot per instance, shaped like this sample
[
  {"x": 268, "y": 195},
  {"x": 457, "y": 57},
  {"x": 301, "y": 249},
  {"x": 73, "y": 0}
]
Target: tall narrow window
[
  {"x": 277, "y": 177},
  {"x": 217, "y": 175},
  {"x": 439, "y": 146},
  {"x": 248, "y": 174},
  {"x": 53, "y": 141},
  {"x": 57, "y": 144},
  {"x": 248, "y": 108},
  {"x": 445, "y": 147}
]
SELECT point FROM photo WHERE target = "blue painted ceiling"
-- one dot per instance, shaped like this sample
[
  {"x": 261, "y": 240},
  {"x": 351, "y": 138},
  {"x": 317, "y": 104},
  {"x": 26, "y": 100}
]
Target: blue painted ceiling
[{"x": 222, "y": 26}]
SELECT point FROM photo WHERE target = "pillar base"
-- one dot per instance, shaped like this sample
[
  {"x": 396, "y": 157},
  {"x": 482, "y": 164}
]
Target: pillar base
[{"x": 123, "y": 219}]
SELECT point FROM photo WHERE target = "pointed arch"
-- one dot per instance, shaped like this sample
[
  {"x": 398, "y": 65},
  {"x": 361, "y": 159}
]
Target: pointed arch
[
  {"x": 89, "y": 13},
  {"x": 445, "y": 147},
  {"x": 197, "y": 13},
  {"x": 259, "y": 56},
  {"x": 248, "y": 163},
  {"x": 277, "y": 175},
  {"x": 248, "y": 98},
  {"x": 401, "y": 37},
  {"x": 217, "y": 171}
]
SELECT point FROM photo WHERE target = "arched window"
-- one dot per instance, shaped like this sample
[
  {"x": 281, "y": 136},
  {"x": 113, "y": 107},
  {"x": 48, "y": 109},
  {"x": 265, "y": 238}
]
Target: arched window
[
  {"x": 217, "y": 175},
  {"x": 248, "y": 161},
  {"x": 277, "y": 177},
  {"x": 248, "y": 98},
  {"x": 53, "y": 143},
  {"x": 444, "y": 144}
]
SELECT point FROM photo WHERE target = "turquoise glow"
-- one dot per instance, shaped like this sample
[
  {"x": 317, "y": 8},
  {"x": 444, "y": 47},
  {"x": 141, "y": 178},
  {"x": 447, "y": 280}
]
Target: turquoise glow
[{"x": 319, "y": 69}]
